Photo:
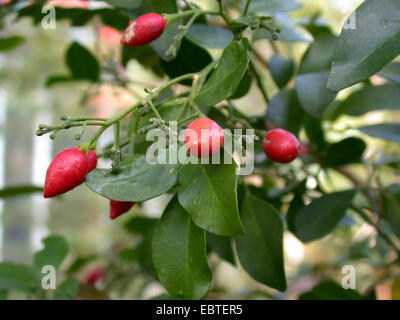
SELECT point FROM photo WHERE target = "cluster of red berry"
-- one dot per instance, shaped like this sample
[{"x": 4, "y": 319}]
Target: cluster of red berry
[{"x": 204, "y": 137}]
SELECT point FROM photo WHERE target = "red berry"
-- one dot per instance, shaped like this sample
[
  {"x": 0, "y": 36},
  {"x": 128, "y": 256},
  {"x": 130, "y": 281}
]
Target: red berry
[
  {"x": 204, "y": 137},
  {"x": 94, "y": 276},
  {"x": 143, "y": 30},
  {"x": 119, "y": 207},
  {"x": 92, "y": 158},
  {"x": 281, "y": 145},
  {"x": 66, "y": 171}
]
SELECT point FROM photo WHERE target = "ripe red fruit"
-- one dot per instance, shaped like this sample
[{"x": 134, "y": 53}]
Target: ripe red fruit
[
  {"x": 281, "y": 145},
  {"x": 94, "y": 276},
  {"x": 119, "y": 207},
  {"x": 143, "y": 30},
  {"x": 92, "y": 159},
  {"x": 204, "y": 137},
  {"x": 67, "y": 171}
]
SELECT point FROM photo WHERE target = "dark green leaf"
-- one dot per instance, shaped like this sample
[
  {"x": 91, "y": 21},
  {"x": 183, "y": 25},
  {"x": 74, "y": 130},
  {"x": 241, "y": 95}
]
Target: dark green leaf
[
  {"x": 322, "y": 215},
  {"x": 10, "y": 43},
  {"x": 314, "y": 131},
  {"x": 54, "y": 252},
  {"x": 347, "y": 151},
  {"x": 260, "y": 249},
  {"x": 329, "y": 290},
  {"x": 19, "y": 191},
  {"x": 208, "y": 194},
  {"x": 281, "y": 70},
  {"x": 227, "y": 76},
  {"x": 209, "y": 36},
  {"x": 179, "y": 254},
  {"x": 391, "y": 72},
  {"x": 272, "y": 6},
  {"x": 82, "y": 63},
  {"x": 138, "y": 182},
  {"x": 18, "y": 277},
  {"x": 284, "y": 111},
  {"x": 57, "y": 79},
  {"x": 363, "y": 51},
  {"x": 385, "y": 131},
  {"x": 140, "y": 224},
  {"x": 222, "y": 246},
  {"x": 243, "y": 87},
  {"x": 67, "y": 290}
]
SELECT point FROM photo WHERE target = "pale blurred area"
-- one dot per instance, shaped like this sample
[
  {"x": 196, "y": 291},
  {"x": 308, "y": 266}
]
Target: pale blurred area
[{"x": 81, "y": 216}]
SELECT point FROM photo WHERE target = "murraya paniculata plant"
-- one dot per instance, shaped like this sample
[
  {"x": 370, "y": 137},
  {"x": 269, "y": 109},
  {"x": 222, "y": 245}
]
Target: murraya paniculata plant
[{"x": 297, "y": 151}]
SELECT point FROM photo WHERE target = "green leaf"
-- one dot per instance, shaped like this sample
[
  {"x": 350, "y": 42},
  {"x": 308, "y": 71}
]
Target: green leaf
[
  {"x": 208, "y": 194},
  {"x": 385, "y": 131},
  {"x": 57, "y": 79},
  {"x": 165, "y": 296},
  {"x": 272, "y": 6},
  {"x": 127, "y": 4},
  {"x": 10, "y": 43},
  {"x": 209, "y": 36},
  {"x": 391, "y": 205},
  {"x": 344, "y": 152},
  {"x": 179, "y": 254},
  {"x": 82, "y": 63},
  {"x": 222, "y": 246},
  {"x": 391, "y": 72},
  {"x": 138, "y": 182},
  {"x": 145, "y": 55},
  {"x": 227, "y": 76},
  {"x": 314, "y": 131},
  {"x": 281, "y": 69},
  {"x": 67, "y": 290},
  {"x": 330, "y": 290},
  {"x": 362, "y": 52},
  {"x": 260, "y": 249},
  {"x": 3, "y": 294},
  {"x": 322, "y": 215},
  {"x": 243, "y": 87},
  {"x": 369, "y": 98},
  {"x": 284, "y": 111},
  {"x": 190, "y": 58},
  {"x": 140, "y": 224},
  {"x": 54, "y": 252},
  {"x": 18, "y": 277},
  {"x": 19, "y": 191}
]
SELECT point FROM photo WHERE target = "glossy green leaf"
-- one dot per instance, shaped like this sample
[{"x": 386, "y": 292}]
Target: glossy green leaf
[
  {"x": 284, "y": 111},
  {"x": 322, "y": 215},
  {"x": 10, "y": 43},
  {"x": 385, "y": 131},
  {"x": 364, "y": 50},
  {"x": 369, "y": 98},
  {"x": 179, "y": 254},
  {"x": 222, "y": 246},
  {"x": 349, "y": 150},
  {"x": 18, "y": 277},
  {"x": 19, "y": 191},
  {"x": 260, "y": 249},
  {"x": 82, "y": 63},
  {"x": 330, "y": 290},
  {"x": 209, "y": 36},
  {"x": 54, "y": 252},
  {"x": 208, "y": 194},
  {"x": 137, "y": 182},
  {"x": 67, "y": 290},
  {"x": 391, "y": 72},
  {"x": 227, "y": 76},
  {"x": 281, "y": 69},
  {"x": 272, "y": 6}
]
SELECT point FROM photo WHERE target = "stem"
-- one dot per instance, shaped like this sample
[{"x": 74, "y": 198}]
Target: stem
[
  {"x": 193, "y": 116},
  {"x": 153, "y": 108},
  {"x": 259, "y": 82},
  {"x": 222, "y": 14},
  {"x": 246, "y": 8},
  {"x": 175, "y": 16}
]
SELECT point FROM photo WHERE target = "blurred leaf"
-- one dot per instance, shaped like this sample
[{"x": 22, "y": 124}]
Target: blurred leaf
[
  {"x": 284, "y": 111},
  {"x": 82, "y": 63},
  {"x": 140, "y": 224},
  {"x": 349, "y": 150},
  {"x": 79, "y": 263},
  {"x": 18, "y": 277},
  {"x": 329, "y": 290},
  {"x": 369, "y": 98},
  {"x": 57, "y": 79},
  {"x": 281, "y": 69},
  {"x": 224, "y": 81},
  {"x": 3, "y": 294},
  {"x": 391, "y": 72},
  {"x": 67, "y": 290},
  {"x": 260, "y": 249},
  {"x": 396, "y": 289},
  {"x": 19, "y": 191},
  {"x": 10, "y": 43},
  {"x": 386, "y": 131},
  {"x": 179, "y": 254},
  {"x": 138, "y": 182},
  {"x": 210, "y": 36},
  {"x": 208, "y": 194},
  {"x": 222, "y": 246},
  {"x": 272, "y": 6},
  {"x": 322, "y": 215},
  {"x": 54, "y": 252},
  {"x": 145, "y": 55},
  {"x": 391, "y": 205},
  {"x": 362, "y": 52}
]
